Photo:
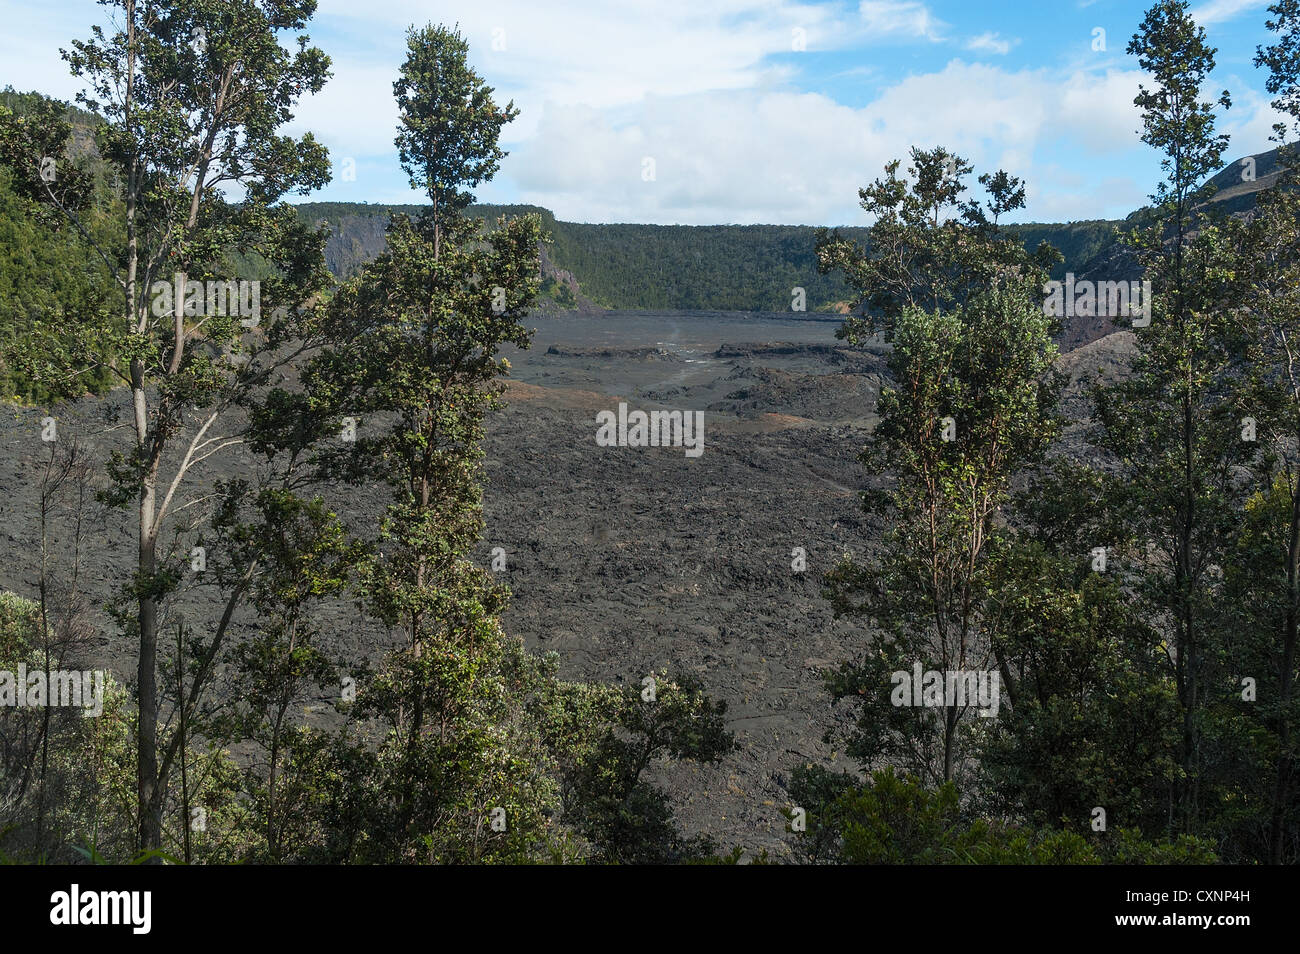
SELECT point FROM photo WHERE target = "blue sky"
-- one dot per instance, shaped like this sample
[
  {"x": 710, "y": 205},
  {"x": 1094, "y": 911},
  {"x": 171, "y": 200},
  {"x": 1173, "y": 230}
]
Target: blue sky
[{"x": 751, "y": 110}]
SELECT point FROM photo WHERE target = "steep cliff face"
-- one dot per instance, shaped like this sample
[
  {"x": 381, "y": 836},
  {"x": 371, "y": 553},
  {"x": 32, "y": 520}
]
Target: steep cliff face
[
  {"x": 1241, "y": 179},
  {"x": 354, "y": 240},
  {"x": 560, "y": 288},
  {"x": 357, "y": 236},
  {"x": 1236, "y": 189},
  {"x": 356, "y": 231}
]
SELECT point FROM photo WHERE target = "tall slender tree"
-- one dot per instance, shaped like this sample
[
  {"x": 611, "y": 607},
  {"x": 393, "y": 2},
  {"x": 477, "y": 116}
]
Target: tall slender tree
[
  {"x": 1173, "y": 424},
  {"x": 972, "y": 403},
  {"x": 1265, "y": 571},
  {"x": 193, "y": 95},
  {"x": 418, "y": 339}
]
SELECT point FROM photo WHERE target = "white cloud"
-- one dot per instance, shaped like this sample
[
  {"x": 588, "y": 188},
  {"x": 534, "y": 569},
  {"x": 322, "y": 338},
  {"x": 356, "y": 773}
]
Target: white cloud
[
  {"x": 693, "y": 85},
  {"x": 615, "y": 52},
  {"x": 751, "y": 156},
  {"x": 1218, "y": 11},
  {"x": 1250, "y": 121},
  {"x": 909, "y": 18},
  {"x": 355, "y": 112},
  {"x": 991, "y": 43}
]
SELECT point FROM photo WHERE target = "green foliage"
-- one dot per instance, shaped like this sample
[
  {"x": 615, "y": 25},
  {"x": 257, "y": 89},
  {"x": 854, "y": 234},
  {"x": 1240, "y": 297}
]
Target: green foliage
[
  {"x": 1253, "y": 709},
  {"x": 1092, "y": 714},
  {"x": 1162, "y": 690},
  {"x": 1081, "y": 244},
  {"x": 459, "y": 746},
  {"x": 707, "y": 267},
  {"x": 604, "y": 738},
  {"x": 1172, "y": 49},
  {"x": 192, "y": 99},
  {"x": 1173, "y": 425},
  {"x": 973, "y": 405},
  {"x": 892, "y": 819},
  {"x": 416, "y": 340},
  {"x": 447, "y": 140},
  {"x": 55, "y": 290},
  {"x": 558, "y": 292},
  {"x": 306, "y": 559},
  {"x": 932, "y": 247},
  {"x": 67, "y": 782},
  {"x": 479, "y": 744}
]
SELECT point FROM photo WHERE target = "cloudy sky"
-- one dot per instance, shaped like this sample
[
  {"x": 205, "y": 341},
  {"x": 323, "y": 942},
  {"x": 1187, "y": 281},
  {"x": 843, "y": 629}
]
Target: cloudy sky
[{"x": 752, "y": 111}]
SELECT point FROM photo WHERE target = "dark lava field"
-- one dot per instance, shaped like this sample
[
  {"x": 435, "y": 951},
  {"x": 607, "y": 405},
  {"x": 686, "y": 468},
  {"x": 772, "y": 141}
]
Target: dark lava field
[{"x": 622, "y": 560}]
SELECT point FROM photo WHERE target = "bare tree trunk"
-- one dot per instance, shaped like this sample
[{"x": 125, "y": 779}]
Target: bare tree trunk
[
  {"x": 46, "y": 493},
  {"x": 149, "y": 810},
  {"x": 949, "y": 741},
  {"x": 180, "y": 705},
  {"x": 150, "y": 801},
  {"x": 1282, "y": 782}
]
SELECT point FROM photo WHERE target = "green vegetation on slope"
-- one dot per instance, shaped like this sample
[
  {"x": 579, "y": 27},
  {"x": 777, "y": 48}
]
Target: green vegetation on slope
[
  {"x": 50, "y": 276},
  {"x": 687, "y": 267}
]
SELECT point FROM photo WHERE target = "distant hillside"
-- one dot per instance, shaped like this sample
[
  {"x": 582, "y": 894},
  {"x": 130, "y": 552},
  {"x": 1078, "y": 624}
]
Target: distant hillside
[
  {"x": 751, "y": 268},
  {"x": 1235, "y": 188},
  {"x": 1235, "y": 192},
  {"x": 676, "y": 267}
]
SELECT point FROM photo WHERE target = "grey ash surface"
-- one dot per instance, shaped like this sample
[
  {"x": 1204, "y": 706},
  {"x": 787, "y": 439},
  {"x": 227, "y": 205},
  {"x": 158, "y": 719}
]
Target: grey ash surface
[{"x": 622, "y": 561}]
